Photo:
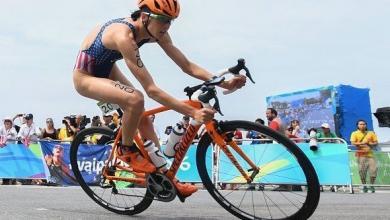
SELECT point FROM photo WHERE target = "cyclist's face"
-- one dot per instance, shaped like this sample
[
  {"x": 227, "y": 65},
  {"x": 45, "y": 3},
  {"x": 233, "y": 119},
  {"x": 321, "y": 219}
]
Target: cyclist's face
[{"x": 159, "y": 25}]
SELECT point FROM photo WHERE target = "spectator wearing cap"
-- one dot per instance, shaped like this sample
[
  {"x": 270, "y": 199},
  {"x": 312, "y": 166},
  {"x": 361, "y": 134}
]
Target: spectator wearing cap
[
  {"x": 107, "y": 119},
  {"x": 325, "y": 132},
  {"x": 8, "y": 132},
  {"x": 49, "y": 132},
  {"x": 28, "y": 131}
]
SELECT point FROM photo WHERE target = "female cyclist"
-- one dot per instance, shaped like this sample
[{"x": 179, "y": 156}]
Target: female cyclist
[{"x": 97, "y": 76}]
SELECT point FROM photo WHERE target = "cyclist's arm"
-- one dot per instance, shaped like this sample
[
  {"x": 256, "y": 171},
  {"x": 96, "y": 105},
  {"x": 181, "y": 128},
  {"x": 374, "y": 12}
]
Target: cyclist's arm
[
  {"x": 133, "y": 61},
  {"x": 181, "y": 60},
  {"x": 193, "y": 69}
]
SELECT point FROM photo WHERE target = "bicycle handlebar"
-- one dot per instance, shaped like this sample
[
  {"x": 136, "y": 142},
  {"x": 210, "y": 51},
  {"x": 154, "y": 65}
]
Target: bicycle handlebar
[{"x": 208, "y": 87}]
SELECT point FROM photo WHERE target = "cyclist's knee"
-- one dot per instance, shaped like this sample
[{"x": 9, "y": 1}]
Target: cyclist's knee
[{"x": 134, "y": 101}]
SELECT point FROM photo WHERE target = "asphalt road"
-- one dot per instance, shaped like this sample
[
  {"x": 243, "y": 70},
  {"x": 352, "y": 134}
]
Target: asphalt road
[{"x": 40, "y": 202}]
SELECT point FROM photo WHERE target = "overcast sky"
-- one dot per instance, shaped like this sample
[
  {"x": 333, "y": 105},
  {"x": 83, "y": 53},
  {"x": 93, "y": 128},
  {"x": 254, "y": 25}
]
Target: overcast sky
[{"x": 289, "y": 46}]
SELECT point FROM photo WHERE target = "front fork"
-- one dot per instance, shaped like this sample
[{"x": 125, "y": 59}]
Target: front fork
[{"x": 223, "y": 142}]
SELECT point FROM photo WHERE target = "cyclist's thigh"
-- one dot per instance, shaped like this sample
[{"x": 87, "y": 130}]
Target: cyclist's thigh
[
  {"x": 105, "y": 90},
  {"x": 117, "y": 75}
]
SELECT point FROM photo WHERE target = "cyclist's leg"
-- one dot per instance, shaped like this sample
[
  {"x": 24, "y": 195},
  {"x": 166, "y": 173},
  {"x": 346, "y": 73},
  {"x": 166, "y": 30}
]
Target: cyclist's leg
[
  {"x": 146, "y": 130},
  {"x": 128, "y": 98},
  {"x": 146, "y": 125},
  {"x": 106, "y": 90}
]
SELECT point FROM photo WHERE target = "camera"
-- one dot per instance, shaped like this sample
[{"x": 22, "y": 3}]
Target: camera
[
  {"x": 84, "y": 121},
  {"x": 383, "y": 116},
  {"x": 71, "y": 119},
  {"x": 313, "y": 139}
]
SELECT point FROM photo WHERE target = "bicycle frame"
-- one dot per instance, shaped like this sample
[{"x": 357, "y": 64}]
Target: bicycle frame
[{"x": 185, "y": 143}]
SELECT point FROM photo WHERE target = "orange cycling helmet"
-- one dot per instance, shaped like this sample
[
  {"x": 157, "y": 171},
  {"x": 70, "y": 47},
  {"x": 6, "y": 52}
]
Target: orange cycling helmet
[{"x": 170, "y": 8}]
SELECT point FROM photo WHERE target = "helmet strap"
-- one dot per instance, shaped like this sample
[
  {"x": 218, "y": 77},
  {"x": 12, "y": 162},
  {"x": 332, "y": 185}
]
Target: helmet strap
[{"x": 146, "y": 24}]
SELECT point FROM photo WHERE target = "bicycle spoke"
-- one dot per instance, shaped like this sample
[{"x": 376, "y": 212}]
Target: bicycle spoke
[
  {"x": 125, "y": 200},
  {"x": 276, "y": 191}
]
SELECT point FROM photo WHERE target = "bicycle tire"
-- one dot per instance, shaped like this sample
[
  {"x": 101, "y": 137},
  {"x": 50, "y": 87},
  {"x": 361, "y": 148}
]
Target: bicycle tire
[
  {"x": 313, "y": 188},
  {"x": 80, "y": 138}
]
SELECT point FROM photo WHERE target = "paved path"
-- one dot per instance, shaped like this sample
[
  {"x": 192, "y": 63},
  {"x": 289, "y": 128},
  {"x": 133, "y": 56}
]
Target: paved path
[{"x": 38, "y": 202}]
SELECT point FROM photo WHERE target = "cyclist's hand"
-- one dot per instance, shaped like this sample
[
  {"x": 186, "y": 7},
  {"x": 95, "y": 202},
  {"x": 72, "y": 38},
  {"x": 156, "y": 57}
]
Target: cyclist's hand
[
  {"x": 235, "y": 83},
  {"x": 204, "y": 115}
]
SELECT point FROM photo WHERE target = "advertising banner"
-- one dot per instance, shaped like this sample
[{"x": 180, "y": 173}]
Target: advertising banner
[
  {"x": 311, "y": 107},
  {"x": 58, "y": 161},
  {"x": 18, "y": 161},
  {"x": 278, "y": 166},
  {"x": 382, "y": 163}
]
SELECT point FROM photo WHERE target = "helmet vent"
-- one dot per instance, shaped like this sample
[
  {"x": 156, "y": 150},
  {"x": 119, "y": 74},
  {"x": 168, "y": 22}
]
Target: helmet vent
[{"x": 157, "y": 5}]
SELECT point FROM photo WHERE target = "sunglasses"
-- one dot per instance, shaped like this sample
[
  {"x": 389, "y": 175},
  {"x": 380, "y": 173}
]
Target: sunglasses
[{"x": 162, "y": 18}]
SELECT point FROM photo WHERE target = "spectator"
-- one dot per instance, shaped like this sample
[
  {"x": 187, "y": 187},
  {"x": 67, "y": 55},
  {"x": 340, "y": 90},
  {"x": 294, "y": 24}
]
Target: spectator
[
  {"x": 115, "y": 119},
  {"x": 81, "y": 122},
  {"x": 21, "y": 119},
  {"x": 68, "y": 131},
  {"x": 274, "y": 122},
  {"x": 28, "y": 132},
  {"x": 8, "y": 132},
  {"x": 326, "y": 133},
  {"x": 49, "y": 132},
  {"x": 238, "y": 136},
  {"x": 107, "y": 118},
  {"x": 186, "y": 121},
  {"x": 365, "y": 140},
  {"x": 294, "y": 130},
  {"x": 256, "y": 135},
  {"x": 96, "y": 121}
]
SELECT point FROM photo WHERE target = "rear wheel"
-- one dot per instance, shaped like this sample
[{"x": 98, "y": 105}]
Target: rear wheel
[
  {"x": 88, "y": 155},
  {"x": 286, "y": 187}
]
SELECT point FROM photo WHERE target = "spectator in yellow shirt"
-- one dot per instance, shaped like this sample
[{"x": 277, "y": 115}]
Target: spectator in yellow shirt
[{"x": 365, "y": 140}]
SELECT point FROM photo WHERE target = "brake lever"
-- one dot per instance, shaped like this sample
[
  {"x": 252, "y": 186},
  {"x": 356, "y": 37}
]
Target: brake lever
[
  {"x": 216, "y": 106},
  {"x": 235, "y": 70}
]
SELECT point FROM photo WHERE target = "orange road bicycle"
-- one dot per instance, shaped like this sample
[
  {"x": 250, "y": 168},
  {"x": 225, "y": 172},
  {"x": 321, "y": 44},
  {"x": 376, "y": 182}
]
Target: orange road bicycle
[{"x": 267, "y": 179}]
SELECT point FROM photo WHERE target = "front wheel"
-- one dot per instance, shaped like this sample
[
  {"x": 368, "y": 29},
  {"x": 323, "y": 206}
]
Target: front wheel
[
  {"x": 286, "y": 186},
  {"x": 88, "y": 155}
]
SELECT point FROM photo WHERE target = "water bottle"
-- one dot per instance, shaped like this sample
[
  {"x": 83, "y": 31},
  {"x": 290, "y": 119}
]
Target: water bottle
[
  {"x": 313, "y": 140},
  {"x": 155, "y": 155},
  {"x": 173, "y": 140}
]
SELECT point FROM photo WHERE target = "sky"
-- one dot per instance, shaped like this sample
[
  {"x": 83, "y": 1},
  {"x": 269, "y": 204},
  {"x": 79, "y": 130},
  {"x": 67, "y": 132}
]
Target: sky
[{"x": 288, "y": 46}]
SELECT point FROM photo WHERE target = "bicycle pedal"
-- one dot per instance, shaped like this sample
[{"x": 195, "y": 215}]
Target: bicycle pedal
[
  {"x": 111, "y": 171},
  {"x": 114, "y": 189},
  {"x": 181, "y": 198}
]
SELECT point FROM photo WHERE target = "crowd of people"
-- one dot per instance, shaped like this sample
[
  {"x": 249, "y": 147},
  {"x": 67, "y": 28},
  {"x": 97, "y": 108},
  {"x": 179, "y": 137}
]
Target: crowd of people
[
  {"x": 363, "y": 139},
  {"x": 28, "y": 132}
]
